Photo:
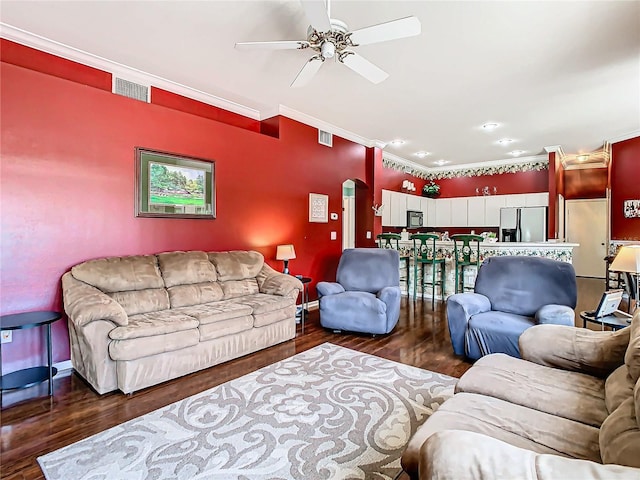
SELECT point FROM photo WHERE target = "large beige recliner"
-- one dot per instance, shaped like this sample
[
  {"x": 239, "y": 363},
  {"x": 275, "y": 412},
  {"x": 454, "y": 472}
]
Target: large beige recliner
[
  {"x": 140, "y": 320},
  {"x": 570, "y": 405}
]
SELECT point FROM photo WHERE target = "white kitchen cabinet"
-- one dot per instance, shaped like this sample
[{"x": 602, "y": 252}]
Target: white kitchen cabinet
[
  {"x": 386, "y": 209},
  {"x": 513, "y": 200},
  {"x": 476, "y": 211},
  {"x": 398, "y": 206},
  {"x": 413, "y": 202},
  {"x": 492, "y": 206},
  {"x": 428, "y": 209},
  {"x": 443, "y": 212},
  {"x": 459, "y": 212},
  {"x": 536, "y": 199}
]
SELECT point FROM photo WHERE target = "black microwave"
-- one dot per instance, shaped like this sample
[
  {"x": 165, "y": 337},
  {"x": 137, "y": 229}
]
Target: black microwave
[{"x": 414, "y": 219}]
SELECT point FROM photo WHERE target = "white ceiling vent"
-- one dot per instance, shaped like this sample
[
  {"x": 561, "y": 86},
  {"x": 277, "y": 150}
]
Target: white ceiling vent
[
  {"x": 131, "y": 89},
  {"x": 325, "y": 138}
]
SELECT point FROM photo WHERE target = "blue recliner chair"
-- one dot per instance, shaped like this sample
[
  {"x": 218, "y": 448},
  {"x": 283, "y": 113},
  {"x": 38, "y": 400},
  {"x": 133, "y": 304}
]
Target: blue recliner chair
[
  {"x": 366, "y": 295},
  {"x": 511, "y": 294}
]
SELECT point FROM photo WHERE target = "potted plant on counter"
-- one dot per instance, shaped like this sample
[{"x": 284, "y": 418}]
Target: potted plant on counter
[{"x": 431, "y": 189}]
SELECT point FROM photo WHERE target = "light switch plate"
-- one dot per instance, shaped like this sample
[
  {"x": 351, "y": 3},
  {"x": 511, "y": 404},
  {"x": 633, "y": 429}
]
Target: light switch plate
[
  {"x": 368, "y": 234},
  {"x": 7, "y": 336},
  {"x": 334, "y": 235}
]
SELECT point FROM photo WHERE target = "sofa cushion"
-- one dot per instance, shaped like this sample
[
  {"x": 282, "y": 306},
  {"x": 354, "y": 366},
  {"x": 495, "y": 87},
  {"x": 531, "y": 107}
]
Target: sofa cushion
[
  {"x": 275, "y": 316},
  {"x": 263, "y": 303},
  {"x": 570, "y": 395},
  {"x": 236, "y": 265},
  {"x": 135, "y": 302},
  {"x": 239, "y": 288},
  {"x": 632, "y": 356},
  {"x": 516, "y": 425},
  {"x": 120, "y": 274},
  {"x": 134, "y": 348},
  {"x": 225, "y": 327},
  {"x": 620, "y": 436},
  {"x": 216, "y": 312},
  {"x": 617, "y": 388},
  {"x": 186, "y": 268},
  {"x": 195, "y": 294},
  {"x": 153, "y": 324}
]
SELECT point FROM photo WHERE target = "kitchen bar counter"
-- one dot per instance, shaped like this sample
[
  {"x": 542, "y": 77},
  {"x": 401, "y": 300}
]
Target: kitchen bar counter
[{"x": 555, "y": 250}]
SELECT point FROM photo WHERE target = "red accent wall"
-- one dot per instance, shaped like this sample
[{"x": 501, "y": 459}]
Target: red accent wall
[
  {"x": 178, "y": 102},
  {"x": 625, "y": 172},
  {"x": 68, "y": 191},
  {"x": 585, "y": 183}
]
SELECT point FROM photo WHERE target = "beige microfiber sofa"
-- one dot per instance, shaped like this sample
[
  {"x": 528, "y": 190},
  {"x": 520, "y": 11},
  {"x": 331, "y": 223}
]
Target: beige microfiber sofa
[
  {"x": 140, "y": 320},
  {"x": 569, "y": 406}
]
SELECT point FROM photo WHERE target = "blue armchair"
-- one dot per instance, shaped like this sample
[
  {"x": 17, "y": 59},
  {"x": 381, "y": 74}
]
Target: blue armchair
[
  {"x": 366, "y": 295},
  {"x": 511, "y": 294}
]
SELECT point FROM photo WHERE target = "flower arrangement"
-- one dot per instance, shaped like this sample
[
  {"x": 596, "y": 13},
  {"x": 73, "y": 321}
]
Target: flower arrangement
[{"x": 431, "y": 189}]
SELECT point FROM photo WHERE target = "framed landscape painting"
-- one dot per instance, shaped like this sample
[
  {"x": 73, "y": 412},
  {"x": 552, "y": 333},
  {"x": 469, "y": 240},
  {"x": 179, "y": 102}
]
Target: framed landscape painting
[{"x": 174, "y": 186}]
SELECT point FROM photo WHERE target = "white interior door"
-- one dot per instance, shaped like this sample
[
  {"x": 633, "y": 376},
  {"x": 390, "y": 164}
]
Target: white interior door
[{"x": 586, "y": 224}]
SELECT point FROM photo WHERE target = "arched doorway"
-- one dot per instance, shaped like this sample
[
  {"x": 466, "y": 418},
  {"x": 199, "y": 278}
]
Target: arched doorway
[{"x": 357, "y": 216}]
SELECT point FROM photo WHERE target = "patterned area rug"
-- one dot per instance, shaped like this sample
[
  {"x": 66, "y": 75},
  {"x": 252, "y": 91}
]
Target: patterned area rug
[{"x": 327, "y": 413}]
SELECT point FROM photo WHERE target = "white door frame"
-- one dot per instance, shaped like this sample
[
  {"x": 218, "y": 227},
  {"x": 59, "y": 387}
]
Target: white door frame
[{"x": 348, "y": 215}]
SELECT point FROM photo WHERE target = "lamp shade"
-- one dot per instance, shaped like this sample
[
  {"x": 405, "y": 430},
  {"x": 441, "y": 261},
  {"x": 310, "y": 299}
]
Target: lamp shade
[
  {"x": 627, "y": 260},
  {"x": 285, "y": 252}
]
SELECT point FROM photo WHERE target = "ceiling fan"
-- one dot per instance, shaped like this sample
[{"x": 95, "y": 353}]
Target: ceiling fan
[{"x": 331, "y": 38}]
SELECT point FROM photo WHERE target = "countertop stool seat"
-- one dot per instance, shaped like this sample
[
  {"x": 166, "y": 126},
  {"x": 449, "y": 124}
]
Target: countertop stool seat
[
  {"x": 466, "y": 253},
  {"x": 392, "y": 240},
  {"x": 425, "y": 254}
]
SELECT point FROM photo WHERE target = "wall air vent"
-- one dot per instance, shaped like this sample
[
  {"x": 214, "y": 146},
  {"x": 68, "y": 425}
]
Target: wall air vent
[
  {"x": 325, "y": 138},
  {"x": 131, "y": 89}
]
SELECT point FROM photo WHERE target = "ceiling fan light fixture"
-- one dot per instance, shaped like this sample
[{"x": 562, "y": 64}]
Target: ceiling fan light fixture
[{"x": 328, "y": 50}]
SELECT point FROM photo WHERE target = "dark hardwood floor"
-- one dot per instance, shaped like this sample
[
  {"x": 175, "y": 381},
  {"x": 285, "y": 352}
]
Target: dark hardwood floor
[{"x": 33, "y": 425}]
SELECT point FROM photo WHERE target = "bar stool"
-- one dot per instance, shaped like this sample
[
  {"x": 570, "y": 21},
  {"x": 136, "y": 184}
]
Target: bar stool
[
  {"x": 425, "y": 253},
  {"x": 392, "y": 240},
  {"x": 465, "y": 248}
]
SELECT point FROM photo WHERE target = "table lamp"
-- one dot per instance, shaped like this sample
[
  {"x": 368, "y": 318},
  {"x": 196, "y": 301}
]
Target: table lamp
[
  {"x": 628, "y": 260},
  {"x": 285, "y": 253}
]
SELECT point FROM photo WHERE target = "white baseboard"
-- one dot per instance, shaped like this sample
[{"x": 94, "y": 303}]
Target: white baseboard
[{"x": 64, "y": 365}]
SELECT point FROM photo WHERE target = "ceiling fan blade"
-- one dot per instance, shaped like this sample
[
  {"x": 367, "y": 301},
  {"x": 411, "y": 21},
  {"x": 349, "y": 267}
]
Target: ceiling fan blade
[
  {"x": 364, "y": 67},
  {"x": 283, "y": 45},
  {"x": 401, "y": 28},
  {"x": 316, "y": 11},
  {"x": 308, "y": 71}
]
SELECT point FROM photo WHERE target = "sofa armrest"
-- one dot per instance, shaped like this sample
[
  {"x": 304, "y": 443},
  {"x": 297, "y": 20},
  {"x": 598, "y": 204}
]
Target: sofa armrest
[
  {"x": 329, "y": 288},
  {"x": 460, "y": 308},
  {"x": 556, "y": 315},
  {"x": 573, "y": 348},
  {"x": 273, "y": 282},
  {"x": 485, "y": 458},
  {"x": 84, "y": 304}
]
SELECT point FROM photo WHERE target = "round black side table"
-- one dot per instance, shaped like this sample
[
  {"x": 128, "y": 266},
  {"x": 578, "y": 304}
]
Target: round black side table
[
  {"x": 34, "y": 375},
  {"x": 304, "y": 300}
]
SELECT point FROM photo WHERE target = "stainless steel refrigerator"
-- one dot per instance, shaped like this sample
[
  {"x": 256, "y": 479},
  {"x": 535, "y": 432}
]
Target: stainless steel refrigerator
[{"x": 523, "y": 224}]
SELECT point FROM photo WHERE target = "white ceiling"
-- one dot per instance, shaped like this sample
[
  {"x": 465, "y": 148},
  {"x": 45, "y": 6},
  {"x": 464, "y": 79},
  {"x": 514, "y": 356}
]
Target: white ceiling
[{"x": 550, "y": 73}]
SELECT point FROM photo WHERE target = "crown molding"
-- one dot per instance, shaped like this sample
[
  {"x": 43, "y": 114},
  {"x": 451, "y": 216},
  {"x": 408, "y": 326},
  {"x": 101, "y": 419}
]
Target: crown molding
[
  {"x": 622, "y": 138},
  {"x": 328, "y": 127},
  {"x": 47, "y": 45}
]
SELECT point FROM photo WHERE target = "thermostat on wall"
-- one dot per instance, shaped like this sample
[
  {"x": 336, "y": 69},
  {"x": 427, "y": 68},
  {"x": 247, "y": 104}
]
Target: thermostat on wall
[{"x": 334, "y": 216}]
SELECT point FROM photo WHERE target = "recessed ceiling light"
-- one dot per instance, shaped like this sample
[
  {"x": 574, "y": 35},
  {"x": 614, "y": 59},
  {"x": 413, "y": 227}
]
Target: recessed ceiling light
[
  {"x": 516, "y": 153},
  {"x": 505, "y": 141},
  {"x": 490, "y": 126},
  {"x": 396, "y": 142},
  {"x": 582, "y": 158},
  {"x": 422, "y": 154},
  {"x": 441, "y": 162}
]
